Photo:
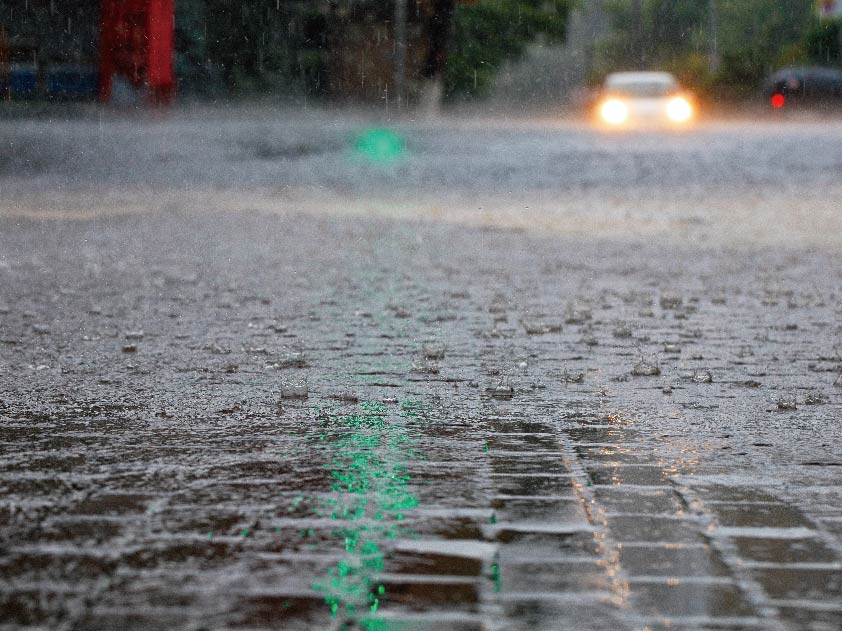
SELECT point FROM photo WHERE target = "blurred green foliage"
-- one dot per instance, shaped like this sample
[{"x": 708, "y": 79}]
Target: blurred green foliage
[
  {"x": 249, "y": 46},
  {"x": 756, "y": 37},
  {"x": 489, "y": 32},
  {"x": 720, "y": 48},
  {"x": 242, "y": 46},
  {"x": 823, "y": 43}
]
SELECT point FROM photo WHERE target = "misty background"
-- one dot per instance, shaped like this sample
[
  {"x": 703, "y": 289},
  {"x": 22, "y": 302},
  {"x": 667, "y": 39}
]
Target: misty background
[{"x": 505, "y": 52}]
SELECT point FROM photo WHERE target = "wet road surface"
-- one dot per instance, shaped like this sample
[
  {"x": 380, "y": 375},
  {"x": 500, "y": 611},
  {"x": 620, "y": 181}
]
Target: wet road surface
[{"x": 406, "y": 416}]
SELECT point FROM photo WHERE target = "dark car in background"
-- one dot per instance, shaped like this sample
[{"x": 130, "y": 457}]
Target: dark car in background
[{"x": 806, "y": 86}]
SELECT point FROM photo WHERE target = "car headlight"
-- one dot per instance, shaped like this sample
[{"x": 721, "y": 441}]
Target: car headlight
[
  {"x": 679, "y": 110},
  {"x": 614, "y": 112}
]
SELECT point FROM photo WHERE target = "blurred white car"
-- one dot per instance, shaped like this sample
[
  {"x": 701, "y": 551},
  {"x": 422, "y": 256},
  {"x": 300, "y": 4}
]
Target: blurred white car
[{"x": 632, "y": 99}]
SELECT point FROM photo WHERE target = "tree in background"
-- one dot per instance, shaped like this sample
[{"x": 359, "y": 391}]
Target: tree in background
[
  {"x": 757, "y": 37},
  {"x": 487, "y": 33},
  {"x": 247, "y": 46},
  {"x": 248, "y": 42},
  {"x": 823, "y": 43},
  {"x": 193, "y": 70},
  {"x": 650, "y": 33},
  {"x": 718, "y": 47},
  {"x": 437, "y": 34}
]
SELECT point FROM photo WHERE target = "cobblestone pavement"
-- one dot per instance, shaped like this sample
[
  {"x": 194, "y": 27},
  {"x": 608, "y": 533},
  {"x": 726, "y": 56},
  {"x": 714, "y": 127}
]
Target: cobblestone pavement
[{"x": 501, "y": 428}]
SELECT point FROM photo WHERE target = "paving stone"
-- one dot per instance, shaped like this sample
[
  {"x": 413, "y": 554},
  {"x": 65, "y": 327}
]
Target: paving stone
[
  {"x": 435, "y": 564},
  {"x": 449, "y": 592},
  {"x": 620, "y": 499},
  {"x": 734, "y": 494},
  {"x": 759, "y": 515},
  {"x": 120, "y": 618},
  {"x": 660, "y": 529},
  {"x": 834, "y": 528},
  {"x": 796, "y": 583},
  {"x": 811, "y": 619},
  {"x": 393, "y": 619},
  {"x": 690, "y": 599},
  {"x": 706, "y": 623},
  {"x": 276, "y": 611},
  {"x": 780, "y": 551},
  {"x": 628, "y": 475},
  {"x": 551, "y": 463},
  {"x": 672, "y": 561},
  {"x": 554, "y": 576},
  {"x": 114, "y": 503},
  {"x": 560, "y": 510},
  {"x": 89, "y": 530},
  {"x": 565, "y": 612},
  {"x": 467, "y": 528},
  {"x": 525, "y": 442},
  {"x": 613, "y": 455},
  {"x": 524, "y": 546},
  {"x": 504, "y": 426},
  {"x": 534, "y": 485}
]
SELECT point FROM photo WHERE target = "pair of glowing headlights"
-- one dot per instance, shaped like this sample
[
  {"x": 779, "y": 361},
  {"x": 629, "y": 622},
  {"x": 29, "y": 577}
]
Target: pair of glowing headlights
[{"x": 614, "y": 111}]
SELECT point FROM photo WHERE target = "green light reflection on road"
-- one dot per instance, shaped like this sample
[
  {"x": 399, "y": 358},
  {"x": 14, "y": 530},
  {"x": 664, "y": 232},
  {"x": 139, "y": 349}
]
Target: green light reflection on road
[
  {"x": 370, "y": 452},
  {"x": 379, "y": 145}
]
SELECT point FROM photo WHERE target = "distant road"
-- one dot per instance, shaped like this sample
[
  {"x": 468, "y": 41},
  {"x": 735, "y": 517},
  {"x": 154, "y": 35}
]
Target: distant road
[{"x": 769, "y": 181}]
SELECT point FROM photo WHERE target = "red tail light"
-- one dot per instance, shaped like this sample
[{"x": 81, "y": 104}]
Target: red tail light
[{"x": 778, "y": 100}]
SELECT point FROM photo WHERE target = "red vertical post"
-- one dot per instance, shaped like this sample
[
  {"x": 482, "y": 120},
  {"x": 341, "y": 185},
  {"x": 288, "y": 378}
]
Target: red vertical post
[
  {"x": 161, "y": 24},
  {"x": 136, "y": 42}
]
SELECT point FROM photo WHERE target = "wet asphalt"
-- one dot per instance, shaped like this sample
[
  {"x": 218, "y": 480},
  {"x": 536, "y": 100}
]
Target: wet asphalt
[{"x": 522, "y": 374}]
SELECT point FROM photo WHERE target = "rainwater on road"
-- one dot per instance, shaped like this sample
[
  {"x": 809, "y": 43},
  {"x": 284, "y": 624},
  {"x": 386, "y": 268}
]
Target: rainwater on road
[{"x": 268, "y": 369}]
